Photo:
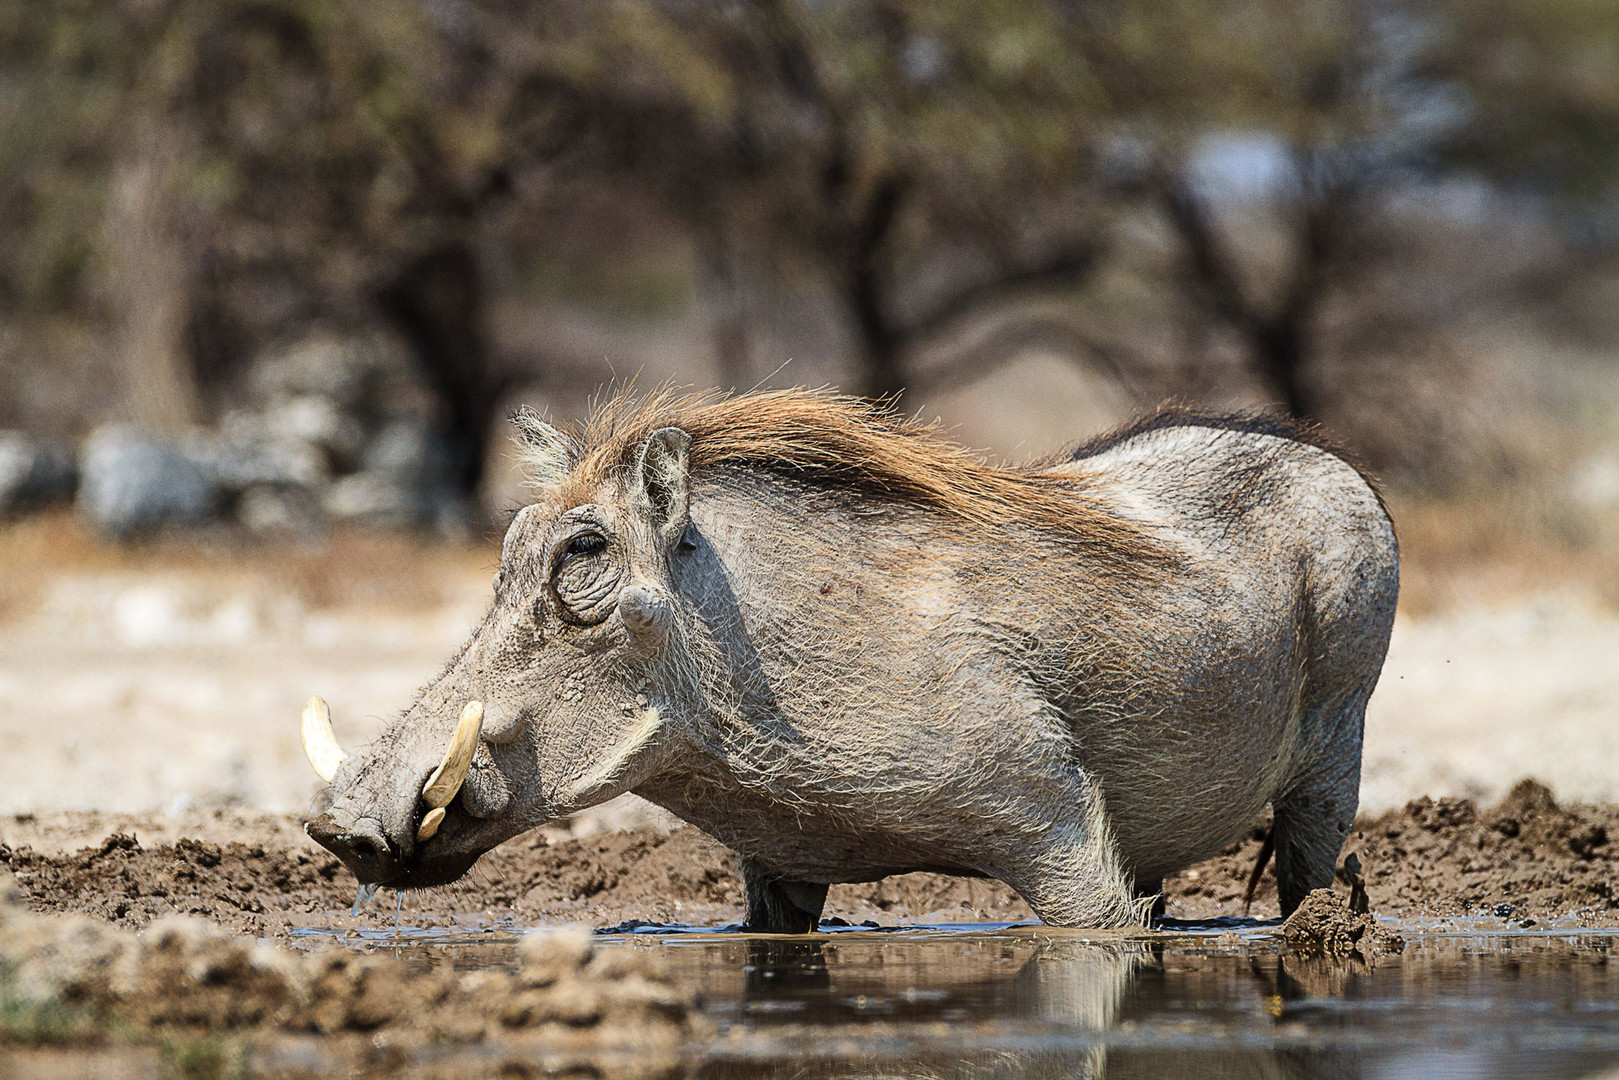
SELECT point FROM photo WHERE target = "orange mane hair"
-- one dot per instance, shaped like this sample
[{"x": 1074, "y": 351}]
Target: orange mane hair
[{"x": 825, "y": 439}]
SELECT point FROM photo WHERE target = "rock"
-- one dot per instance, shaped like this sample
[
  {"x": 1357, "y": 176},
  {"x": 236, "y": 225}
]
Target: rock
[
  {"x": 33, "y": 474},
  {"x": 318, "y": 422},
  {"x": 410, "y": 452},
  {"x": 375, "y": 500},
  {"x": 323, "y": 365},
  {"x": 239, "y": 463},
  {"x": 280, "y": 512},
  {"x": 135, "y": 483}
]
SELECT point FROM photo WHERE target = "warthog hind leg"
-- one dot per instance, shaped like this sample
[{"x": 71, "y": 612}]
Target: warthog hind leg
[
  {"x": 777, "y": 905},
  {"x": 1312, "y": 818}
]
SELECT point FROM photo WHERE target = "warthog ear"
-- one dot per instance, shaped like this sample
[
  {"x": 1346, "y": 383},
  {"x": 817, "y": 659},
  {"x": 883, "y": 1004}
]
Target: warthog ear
[
  {"x": 661, "y": 482},
  {"x": 542, "y": 448}
]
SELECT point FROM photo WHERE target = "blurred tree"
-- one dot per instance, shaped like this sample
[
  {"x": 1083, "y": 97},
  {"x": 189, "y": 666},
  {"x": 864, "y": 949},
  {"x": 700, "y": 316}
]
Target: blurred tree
[
  {"x": 198, "y": 177},
  {"x": 1360, "y": 131},
  {"x": 224, "y": 173},
  {"x": 344, "y": 155},
  {"x": 925, "y": 161}
]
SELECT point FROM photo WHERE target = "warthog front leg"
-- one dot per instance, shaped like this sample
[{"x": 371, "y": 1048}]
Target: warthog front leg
[
  {"x": 779, "y": 906},
  {"x": 1070, "y": 872}
]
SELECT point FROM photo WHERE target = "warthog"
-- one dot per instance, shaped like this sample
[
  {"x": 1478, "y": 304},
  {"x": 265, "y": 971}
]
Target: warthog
[{"x": 846, "y": 648}]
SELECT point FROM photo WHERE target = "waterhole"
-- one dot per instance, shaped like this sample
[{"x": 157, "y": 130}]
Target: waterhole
[{"x": 1222, "y": 999}]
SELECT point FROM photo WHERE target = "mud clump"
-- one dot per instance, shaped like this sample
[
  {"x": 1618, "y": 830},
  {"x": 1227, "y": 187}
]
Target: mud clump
[
  {"x": 186, "y": 976},
  {"x": 261, "y": 887},
  {"x": 1326, "y": 925},
  {"x": 233, "y": 884}
]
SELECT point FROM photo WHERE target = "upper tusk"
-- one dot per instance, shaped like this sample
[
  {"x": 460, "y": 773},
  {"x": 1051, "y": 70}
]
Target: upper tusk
[
  {"x": 452, "y": 771},
  {"x": 320, "y": 743}
]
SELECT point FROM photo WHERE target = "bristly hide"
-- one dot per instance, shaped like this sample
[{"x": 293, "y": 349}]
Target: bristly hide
[{"x": 819, "y": 438}]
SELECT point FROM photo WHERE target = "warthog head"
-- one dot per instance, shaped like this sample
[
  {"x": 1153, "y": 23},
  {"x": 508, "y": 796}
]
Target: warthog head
[{"x": 559, "y": 699}]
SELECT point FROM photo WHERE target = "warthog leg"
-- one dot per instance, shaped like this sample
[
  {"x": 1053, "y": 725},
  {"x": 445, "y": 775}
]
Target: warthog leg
[
  {"x": 1070, "y": 872},
  {"x": 1313, "y": 816},
  {"x": 779, "y": 906}
]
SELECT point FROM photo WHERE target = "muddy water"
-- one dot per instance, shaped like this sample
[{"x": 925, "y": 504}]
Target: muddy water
[{"x": 1211, "y": 1000}]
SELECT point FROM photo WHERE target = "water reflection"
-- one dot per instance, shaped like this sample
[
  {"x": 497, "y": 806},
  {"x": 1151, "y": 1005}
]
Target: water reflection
[
  {"x": 1033, "y": 1004},
  {"x": 1225, "y": 1002}
]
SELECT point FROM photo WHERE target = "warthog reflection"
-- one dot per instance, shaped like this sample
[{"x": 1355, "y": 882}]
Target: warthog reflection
[{"x": 1071, "y": 1010}]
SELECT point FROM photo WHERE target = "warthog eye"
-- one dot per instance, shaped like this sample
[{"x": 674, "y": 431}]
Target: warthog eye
[
  {"x": 585, "y": 544},
  {"x": 584, "y": 582}
]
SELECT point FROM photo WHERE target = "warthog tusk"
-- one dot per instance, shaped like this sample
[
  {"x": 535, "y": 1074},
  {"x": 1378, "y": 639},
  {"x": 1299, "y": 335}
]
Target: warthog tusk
[
  {"x": 430, "y": 823},
  {"x": 452, "y": 771},
  {"x": 320, "y": 744}
]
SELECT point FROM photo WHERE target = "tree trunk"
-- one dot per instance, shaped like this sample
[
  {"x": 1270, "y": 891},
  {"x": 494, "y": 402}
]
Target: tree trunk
[
  {"x": 1279, "y": 350},
  {"x": 150, "y": 283},
  {"x": 437, "y": 302},
  {"x": 882, "y": 374}
]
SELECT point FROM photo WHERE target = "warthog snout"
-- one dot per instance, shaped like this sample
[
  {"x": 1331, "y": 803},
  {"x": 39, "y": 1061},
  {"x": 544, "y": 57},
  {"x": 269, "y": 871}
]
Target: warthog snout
[
  {"x": 363, "y": 842},
  {"x": 362, "y": 846}
]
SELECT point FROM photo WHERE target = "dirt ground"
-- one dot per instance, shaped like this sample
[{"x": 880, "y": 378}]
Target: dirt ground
[
  {"x": 174, "y": 956},
  {"x": 1525, "y": 858}
]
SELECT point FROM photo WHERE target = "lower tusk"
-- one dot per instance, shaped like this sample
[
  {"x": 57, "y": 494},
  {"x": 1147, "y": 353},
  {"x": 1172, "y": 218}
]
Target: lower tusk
[
  {"x": 320, "y": 743},
  {"x": 430, "y": 823},
  {"x": 452, "y": 771}
]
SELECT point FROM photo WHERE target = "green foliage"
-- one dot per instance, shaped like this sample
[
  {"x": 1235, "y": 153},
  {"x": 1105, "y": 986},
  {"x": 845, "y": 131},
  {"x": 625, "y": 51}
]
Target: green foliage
[
  {"x": 206, "y": 1058},
  {"x": 26, "y": 1021},
  {"x": 1541, "y": 83}
]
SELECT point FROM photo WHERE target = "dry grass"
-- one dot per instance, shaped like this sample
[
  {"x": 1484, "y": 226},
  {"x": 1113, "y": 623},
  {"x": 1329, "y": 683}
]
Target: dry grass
[{"x": 346, "y": 569}]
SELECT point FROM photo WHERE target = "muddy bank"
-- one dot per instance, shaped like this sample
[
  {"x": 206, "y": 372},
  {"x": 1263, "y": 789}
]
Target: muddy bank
[
  {"x": 1526, "y": 858},
  {"x": 75, "y": 981}
]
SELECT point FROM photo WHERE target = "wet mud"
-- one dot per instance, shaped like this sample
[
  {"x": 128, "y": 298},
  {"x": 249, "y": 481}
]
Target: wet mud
[
  {"x": 73, "y": 981},
  {"x": 1526, "y": 859},
  {"x": 1327, "y": 924}
]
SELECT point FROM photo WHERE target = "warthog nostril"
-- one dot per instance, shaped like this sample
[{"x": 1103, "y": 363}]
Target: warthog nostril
[{"x": 365, "y": 849}]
